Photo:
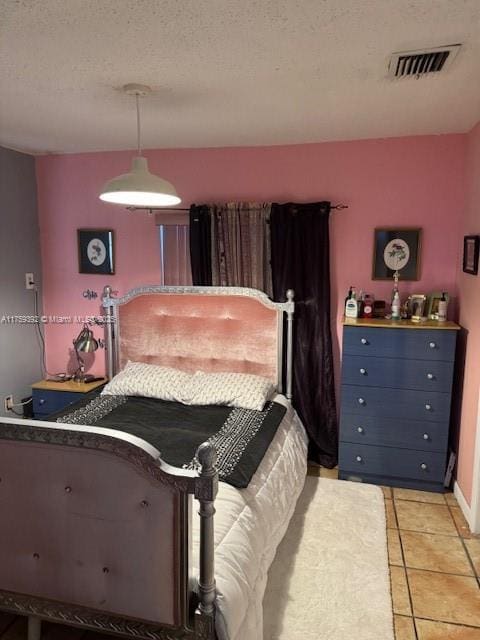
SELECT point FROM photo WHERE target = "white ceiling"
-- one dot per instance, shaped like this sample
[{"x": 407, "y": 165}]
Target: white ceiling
[{"x": 229, "y": 72}]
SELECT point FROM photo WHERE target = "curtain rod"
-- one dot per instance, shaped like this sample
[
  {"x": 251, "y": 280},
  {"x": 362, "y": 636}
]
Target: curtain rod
[{"x": 338, "y": 207}]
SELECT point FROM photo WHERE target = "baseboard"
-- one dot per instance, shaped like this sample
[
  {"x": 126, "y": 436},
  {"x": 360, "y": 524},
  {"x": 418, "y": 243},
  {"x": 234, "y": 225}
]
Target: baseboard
[{"x": 463, "y": 504}]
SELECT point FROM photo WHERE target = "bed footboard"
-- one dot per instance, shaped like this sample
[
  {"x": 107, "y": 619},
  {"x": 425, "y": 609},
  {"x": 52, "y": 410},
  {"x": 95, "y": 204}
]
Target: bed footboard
[{"x": 98, "y": 533}]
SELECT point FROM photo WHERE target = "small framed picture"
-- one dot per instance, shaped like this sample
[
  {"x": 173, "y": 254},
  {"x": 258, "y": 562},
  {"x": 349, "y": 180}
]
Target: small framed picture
[
  {"x": 470, "y": 254},
  {"x": 95, "y": 251},
  {"x": 416, "y": 305},
  {"x": 396, "y": 249},
  {"x": 433, "y": 300}
]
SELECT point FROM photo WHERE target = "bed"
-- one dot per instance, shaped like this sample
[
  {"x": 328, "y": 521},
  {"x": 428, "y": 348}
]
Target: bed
[{"x": 102, "y": 532}]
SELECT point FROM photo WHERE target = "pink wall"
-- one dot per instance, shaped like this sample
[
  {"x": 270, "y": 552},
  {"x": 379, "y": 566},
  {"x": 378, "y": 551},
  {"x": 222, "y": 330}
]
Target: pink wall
[
  {"x": 414, "y": 181},
  {"x": 469, "y": 295}
]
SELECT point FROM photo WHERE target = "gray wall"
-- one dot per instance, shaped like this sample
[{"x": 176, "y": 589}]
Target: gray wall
[{"x": 20, "y": 353}]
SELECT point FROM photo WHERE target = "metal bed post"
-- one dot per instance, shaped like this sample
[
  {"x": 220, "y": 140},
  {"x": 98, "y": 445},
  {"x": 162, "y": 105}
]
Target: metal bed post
[
  {"x": 109, "y": 348},
  {"x": 206, "y": 488},
  {"x": 290, "y": 308}
]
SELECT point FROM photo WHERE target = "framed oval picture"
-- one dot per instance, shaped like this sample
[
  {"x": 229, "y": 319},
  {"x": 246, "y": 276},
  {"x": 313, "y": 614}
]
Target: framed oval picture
[
  {"x": 396, "y": 249},
  {"x": 95, "y": 251}
]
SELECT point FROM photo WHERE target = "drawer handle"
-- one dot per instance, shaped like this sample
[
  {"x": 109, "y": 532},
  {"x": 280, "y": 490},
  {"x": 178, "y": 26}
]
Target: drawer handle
[
  {"x": 426, "y": 436},
  {"x": 360, "y": 429},
  {"x": 359, "y": 459},
  {"x": 41, "y": 401},
  {"x": 430, "y": 376},
  {"x": 361, "y": 401},
  {"x": 428, "y": 407},
  {"x": 363, "y": 372},
  {"x": 432, "y": 345},
  {"x": 364, "y": 341},
  {"x": 423, "y": 466}
]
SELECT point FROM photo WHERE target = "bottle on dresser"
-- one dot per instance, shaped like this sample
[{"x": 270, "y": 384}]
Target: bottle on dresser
[
  {"x": 349, "y": 295},
  {"x": 442, "y": 307},
  {"x": 368, "y": 306},
  {"x": 360, "y": 304},
  {"x": 396, "y": 306},
  {"x": 351, "y": 305},
  {"x": 395, "y": 303}
]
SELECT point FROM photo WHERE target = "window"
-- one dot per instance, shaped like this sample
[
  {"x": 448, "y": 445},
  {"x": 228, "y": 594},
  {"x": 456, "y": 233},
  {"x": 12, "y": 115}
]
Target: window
[{"x": 175, "y": 254}]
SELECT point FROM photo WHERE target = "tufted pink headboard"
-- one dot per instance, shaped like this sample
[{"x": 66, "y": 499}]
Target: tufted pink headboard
[{"x": 199, "y": 328}]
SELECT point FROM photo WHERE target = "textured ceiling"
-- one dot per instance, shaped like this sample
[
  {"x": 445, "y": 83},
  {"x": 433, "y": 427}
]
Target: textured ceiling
[{"x": 229, "y": 72}]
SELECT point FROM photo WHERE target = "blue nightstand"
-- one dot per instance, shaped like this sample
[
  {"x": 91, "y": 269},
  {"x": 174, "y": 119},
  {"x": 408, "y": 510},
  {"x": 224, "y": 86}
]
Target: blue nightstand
[{"x": 49, "y": 397}]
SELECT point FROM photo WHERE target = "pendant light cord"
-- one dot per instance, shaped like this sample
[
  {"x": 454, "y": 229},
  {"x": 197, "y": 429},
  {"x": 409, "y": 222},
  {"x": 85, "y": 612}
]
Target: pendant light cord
[{"x": 139, "y": 148}]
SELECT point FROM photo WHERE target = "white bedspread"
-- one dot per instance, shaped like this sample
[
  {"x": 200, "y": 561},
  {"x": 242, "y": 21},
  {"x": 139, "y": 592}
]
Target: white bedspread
[{"x": 249, "y": 525}]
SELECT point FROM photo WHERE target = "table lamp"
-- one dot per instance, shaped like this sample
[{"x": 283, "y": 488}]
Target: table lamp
[{"x": 86, "y": 343}]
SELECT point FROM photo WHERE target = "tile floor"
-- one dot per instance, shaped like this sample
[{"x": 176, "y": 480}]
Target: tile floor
[
  {"x": 434, "y": 565},
  {"x": 434, "y": 570}
]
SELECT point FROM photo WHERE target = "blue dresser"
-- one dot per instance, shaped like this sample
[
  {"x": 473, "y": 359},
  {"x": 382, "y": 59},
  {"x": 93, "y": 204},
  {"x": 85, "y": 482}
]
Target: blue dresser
[{"x": 395, "y": 402}]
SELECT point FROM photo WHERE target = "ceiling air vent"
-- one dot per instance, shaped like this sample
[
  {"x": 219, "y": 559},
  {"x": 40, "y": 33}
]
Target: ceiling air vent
[{"x": 407, "y": 64}]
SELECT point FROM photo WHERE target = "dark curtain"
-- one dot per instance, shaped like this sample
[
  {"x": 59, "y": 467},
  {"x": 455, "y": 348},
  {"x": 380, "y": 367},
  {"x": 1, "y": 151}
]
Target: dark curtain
[
  {"x": 200, "y": 245},
  {"x": 300, "y": 261}
]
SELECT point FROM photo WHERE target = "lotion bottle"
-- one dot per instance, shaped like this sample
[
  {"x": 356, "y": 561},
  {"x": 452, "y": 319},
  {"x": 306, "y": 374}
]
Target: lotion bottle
[
  {"x": 351, "y": 308},
  {"x": 442, "y": 308},
  {"x": 349, "y": 295}
]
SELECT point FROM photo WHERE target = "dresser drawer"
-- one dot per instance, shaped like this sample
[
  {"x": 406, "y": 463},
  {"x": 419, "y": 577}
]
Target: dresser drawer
[
  {"x": 417, "y": 344},
  {"x": 428, "y": 406},
  {"x": 398, "y": 373},
  {"x": 394, "y": 432},
  {"x": 46, "y": 402},
  {"x": 358, "y": 459}
]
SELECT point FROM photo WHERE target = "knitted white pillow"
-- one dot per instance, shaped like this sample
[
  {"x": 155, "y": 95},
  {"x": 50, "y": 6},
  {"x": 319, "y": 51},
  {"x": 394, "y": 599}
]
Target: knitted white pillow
[
  {"x": 150, "y": 381},
  {"x": 243, "y": 390}
]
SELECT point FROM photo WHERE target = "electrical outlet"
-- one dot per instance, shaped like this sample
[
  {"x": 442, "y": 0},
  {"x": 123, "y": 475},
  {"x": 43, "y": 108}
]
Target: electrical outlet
[
  {"x": 29, "y": 281},
  {"x": 8, "y": 403}
]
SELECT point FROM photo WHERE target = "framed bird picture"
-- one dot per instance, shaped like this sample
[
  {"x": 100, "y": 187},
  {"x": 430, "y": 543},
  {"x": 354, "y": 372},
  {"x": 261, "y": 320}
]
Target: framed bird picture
[
  {"x": 396, "y": 250},
  {"x": 95, "y": 251}
]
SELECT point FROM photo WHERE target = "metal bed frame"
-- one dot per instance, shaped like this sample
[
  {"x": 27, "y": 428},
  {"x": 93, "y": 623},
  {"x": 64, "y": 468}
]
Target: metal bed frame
[{"x": 189, "y": 624}]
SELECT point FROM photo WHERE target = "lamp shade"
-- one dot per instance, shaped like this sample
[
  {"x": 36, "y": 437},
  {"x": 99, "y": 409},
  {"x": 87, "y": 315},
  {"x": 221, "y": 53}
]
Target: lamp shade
[
  {"x": 140, "y": 188},
  {"x": 85, "y": 341}
]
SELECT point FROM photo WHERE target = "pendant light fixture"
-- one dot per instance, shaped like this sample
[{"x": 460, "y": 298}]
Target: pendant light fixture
[{"x": 139, "y": 188}]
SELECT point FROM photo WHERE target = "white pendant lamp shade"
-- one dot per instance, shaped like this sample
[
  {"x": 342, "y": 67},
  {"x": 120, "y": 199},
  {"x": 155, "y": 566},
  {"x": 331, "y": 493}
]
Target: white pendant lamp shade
[{"x": 140, "y": 188}]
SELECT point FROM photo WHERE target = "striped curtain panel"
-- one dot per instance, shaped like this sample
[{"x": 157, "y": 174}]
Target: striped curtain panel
[{"x": 240, "y": 246}]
